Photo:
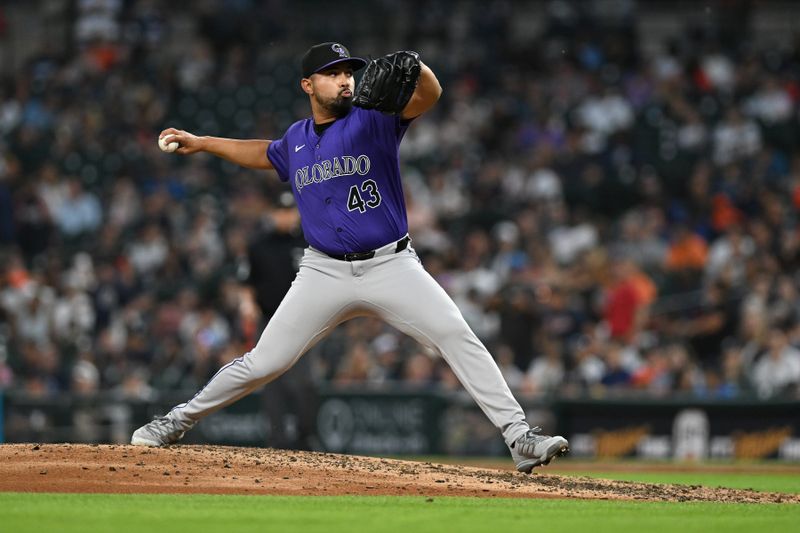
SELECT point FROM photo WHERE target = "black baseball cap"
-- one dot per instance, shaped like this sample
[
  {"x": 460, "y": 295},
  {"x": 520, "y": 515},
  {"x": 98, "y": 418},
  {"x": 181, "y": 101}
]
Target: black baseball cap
[{"x": 324, "y": 55}]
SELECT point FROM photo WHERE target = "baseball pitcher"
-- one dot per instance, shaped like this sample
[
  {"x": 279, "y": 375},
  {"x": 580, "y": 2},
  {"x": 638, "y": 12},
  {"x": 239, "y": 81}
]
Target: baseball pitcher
[{"x": 343, "y": 166}]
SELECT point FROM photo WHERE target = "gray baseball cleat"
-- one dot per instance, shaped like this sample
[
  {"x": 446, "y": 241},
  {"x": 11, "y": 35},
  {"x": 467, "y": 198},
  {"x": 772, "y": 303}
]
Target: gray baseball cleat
[
  {"x": 162, "y": 431},
  {"x": 532, "y": 449}
]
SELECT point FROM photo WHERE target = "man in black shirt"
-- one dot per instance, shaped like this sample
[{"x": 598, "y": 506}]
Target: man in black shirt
[{"x": 274, "y": 256}]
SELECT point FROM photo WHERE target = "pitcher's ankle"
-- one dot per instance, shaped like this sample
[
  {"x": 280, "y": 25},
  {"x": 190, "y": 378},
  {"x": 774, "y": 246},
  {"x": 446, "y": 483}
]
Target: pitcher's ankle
[{"x": 181, "y": 419}]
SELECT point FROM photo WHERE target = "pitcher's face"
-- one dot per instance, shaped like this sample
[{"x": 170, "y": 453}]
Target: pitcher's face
[{"x": 333, "y": 89}]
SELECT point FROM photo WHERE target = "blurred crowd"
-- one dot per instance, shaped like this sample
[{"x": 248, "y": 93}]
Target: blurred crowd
[{"x": 609, "y": 220}]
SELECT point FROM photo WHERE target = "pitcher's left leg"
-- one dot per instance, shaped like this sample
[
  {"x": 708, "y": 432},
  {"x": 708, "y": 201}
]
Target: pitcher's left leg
[{"x": 408, "y": 298}]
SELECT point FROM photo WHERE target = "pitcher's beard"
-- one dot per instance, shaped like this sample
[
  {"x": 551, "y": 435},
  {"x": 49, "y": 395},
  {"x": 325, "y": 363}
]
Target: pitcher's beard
[{"x": 338, "y": 106}]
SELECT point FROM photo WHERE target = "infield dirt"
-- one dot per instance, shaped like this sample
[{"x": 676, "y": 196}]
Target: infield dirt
[{"x": 229, "y": 470}]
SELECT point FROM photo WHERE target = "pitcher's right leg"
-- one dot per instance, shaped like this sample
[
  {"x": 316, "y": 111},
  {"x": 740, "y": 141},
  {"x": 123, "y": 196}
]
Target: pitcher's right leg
[{"x": 319, "y": 299}]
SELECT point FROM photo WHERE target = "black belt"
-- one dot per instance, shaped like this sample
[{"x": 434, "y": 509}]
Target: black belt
[{"x": 402, "y": 244}]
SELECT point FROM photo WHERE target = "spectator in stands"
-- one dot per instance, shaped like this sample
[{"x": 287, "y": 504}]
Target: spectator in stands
[
  {"x": 653, "y": 375},
  {"x": 728, "y": 256},
  {"x": 616, "y": 375},
  {"x": 546, "y": 372},
  {"x": 777, "y": 370},
  {"x": 709, "y": 325},
  {"x": 418, "y": 370},
  {"x": 79, "y": 211},
  {"x": 734, "y": 380},
  {"x": 356, "y": 367},
  {"x": 628, "y": 298}
]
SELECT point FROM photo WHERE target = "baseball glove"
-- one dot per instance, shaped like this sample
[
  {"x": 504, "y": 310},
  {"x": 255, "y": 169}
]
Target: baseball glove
[{"x": 388, "y": 82}]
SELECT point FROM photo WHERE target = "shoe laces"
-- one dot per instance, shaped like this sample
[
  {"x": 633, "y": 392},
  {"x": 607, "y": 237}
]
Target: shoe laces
[
  {"x": 534, "y": 434},
  {"x": 163, "y": 425},
  {"x": 529, "y": 439}
]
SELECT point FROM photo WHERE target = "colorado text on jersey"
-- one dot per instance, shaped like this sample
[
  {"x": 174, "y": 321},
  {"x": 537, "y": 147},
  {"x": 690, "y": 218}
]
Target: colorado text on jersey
[{"x": 331, "y": 168}]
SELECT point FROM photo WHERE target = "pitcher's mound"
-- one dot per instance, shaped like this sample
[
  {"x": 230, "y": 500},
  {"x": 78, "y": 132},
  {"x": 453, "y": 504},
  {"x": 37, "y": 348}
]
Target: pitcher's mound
[{"x": 228, "y": 470}]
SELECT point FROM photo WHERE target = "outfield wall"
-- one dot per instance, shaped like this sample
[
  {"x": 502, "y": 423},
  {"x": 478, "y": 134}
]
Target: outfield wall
[{"x": 403, "y": 422}]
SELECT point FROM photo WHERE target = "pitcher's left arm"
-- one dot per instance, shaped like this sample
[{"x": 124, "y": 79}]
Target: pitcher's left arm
[{"x": 425, "y": 95}]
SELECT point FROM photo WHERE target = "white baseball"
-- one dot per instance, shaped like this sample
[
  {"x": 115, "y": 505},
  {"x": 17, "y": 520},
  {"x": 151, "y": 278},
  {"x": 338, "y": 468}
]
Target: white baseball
[{"x": 171, "y": 147}]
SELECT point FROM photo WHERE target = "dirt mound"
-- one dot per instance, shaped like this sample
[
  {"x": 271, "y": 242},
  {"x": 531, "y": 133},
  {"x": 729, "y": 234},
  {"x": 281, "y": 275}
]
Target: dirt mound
[{"x": 228, "y": 470}]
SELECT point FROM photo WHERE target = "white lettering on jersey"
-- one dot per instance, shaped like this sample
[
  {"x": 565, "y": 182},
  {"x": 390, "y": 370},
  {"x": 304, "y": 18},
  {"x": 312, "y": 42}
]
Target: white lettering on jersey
[{"x": 346, "y": 165}]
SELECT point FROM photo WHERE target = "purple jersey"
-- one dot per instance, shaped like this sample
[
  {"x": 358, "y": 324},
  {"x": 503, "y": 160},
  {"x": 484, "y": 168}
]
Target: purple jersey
[{"x": 346, "y": 181}]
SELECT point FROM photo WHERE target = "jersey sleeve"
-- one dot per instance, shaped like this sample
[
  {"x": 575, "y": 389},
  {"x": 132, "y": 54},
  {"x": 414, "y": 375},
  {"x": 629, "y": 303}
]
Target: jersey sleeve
[{"x": 278, "y": 155}]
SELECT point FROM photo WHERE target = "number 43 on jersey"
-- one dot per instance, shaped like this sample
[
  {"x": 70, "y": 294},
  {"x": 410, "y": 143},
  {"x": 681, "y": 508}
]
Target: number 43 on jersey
[{"x": 363, "y": 196}]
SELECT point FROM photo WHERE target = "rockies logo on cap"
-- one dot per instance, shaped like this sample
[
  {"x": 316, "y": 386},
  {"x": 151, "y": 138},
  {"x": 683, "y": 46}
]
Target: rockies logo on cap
[{"x": 324, "y": 55}]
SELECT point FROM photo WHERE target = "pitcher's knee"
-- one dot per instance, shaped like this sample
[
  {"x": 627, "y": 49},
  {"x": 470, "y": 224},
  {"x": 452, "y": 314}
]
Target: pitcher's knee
[
  {"x": 450, "y": 331},
  {"x": 461, "y": 342},
  {"x": 267, "y": 366}
]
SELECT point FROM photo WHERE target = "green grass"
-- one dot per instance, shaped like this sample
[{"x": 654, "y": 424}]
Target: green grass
[
  {"x": 764, "y": 482},
  {"x": 118, "y": 513}
]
